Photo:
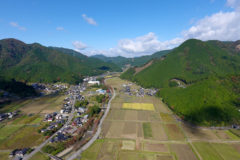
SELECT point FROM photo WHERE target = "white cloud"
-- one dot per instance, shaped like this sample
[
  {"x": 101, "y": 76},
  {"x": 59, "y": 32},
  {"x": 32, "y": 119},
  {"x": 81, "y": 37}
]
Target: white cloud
[
  {"x": 79, "y": 46},
  {"x": 59, "y": 28},
  {"x": 16, "y": 25},
  {"x": 224, "y": 26},
  {"x": 234, "y": 4},
  {"x": 139, "y": 46},
  {"x": 89, "y": 20},
  {"x": 220, "y": 26}
]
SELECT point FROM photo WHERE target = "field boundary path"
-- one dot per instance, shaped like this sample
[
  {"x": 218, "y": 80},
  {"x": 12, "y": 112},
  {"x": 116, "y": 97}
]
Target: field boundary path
[
  {"x": 27, "y": 157},
  {"x": 94, "y": 138}
]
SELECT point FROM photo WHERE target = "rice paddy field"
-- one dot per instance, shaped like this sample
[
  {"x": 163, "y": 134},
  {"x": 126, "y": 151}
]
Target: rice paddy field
[{"x": 143, "y": 128}]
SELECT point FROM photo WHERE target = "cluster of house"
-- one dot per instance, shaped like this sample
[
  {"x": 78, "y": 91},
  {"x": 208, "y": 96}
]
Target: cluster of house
[
  {"x": 127, "y": 89},
  {"x": 18, "y": 153},
  {"x": 53, "y": 125},
  {"x": 138, "y": 92},
  {"x": 49, "y": 88},
  {"x": 79, "y": 121},
  {"x": 60, "y": 137},
  {"x": 8, "y": 115}
]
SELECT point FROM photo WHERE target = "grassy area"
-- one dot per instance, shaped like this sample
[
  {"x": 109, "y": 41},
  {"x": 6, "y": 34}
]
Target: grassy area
[
  {"x": 226, "y": 151},
  {"x": 27, "y": 136},
  {"x": 4, "y": 155},
  {"x": 147, "y": 130},
  {"x": 92, "y": 152},
  {"x": 40, "y": 156},
  {"x": 8, "y": 130},
  {"x": 25, "y": 119},
  {"x": 232, "y": 134},
  {"x": 207, "y": 151}
]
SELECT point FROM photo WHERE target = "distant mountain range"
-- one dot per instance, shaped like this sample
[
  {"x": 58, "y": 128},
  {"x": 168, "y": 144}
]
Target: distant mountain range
[
  {"x": 37, "y": 63},
  {"x": 136, "y": 61},
  {"x": 199, "y": 80}
]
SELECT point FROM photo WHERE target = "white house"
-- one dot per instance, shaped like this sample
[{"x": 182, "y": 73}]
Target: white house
[{"x": 93, "y": 82}]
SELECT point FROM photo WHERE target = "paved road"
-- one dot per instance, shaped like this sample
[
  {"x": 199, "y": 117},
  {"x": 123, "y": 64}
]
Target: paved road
[
  {"x": 90, "y": 142},
  {"x": 27, "y": 157}
]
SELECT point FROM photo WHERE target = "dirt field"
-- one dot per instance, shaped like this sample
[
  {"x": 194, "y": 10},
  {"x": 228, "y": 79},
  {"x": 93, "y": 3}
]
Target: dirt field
[
  {"x": 43, "y": 105},
  {"x": 183, "y": 151},
  {"x": 174, "y": 132},
  {"x": 155, "y": 147}
]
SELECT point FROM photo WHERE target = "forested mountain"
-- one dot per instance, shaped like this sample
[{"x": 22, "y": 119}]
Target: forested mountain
[
  {"x": 136, "y": 61},
  {"x": 37, "y": 63},
  {"x": 198, "y": 80}
]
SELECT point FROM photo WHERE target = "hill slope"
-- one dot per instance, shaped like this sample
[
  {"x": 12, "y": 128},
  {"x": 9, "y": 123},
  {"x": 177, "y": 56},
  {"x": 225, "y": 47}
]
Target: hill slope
[
  {"x": 137, "y": 61},
  {"x": 36, "y": 63},
  {"x": 210, "y": 70}
]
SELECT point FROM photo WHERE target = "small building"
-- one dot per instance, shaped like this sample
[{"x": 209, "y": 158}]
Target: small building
[
  {"x": 93, "y": 82},
  {"x": 101, "y": 91}
]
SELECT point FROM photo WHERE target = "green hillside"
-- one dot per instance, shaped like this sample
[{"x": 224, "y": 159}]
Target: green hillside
[
  {"x": 136, "y": 61},
  {"x": 36, "y": 63},
  {"x": 211, "y": 72}
]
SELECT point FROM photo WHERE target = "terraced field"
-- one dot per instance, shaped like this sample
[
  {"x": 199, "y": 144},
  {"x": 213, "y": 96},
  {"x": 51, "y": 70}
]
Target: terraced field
[{"x": 136, "y": 133}]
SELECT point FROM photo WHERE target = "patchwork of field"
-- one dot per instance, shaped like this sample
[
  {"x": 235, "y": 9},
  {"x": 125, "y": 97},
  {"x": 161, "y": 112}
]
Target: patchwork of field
[
  {"x": 143, "y": 128},
  {"x": 22, "y": 130}
]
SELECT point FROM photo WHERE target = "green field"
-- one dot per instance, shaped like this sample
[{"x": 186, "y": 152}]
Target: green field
[
  {"x": 40, "y": 156},
  {"x": 8, "y": 130},
  {"x": 26, "y": 136},
  {"x": 207, "y": 151},
  {"x": 147, "y": 130}
]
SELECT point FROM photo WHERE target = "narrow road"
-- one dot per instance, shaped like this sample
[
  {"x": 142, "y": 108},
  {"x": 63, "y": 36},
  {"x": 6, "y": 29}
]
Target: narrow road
[
  {"x": 28, "y": 156},
  {"x": 94, "y": 138}
]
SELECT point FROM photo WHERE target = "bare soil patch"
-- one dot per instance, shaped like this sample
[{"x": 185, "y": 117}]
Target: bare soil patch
[
  {"x": 155, "y": 147},
  {"x": 183, "y": 151},
  {"x": 173, "y": 132},
  {"x": 139, "y": 69}
]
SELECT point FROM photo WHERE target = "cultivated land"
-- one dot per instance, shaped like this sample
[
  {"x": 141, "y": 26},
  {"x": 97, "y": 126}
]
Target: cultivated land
[
  {"x": 156, "y": 134},
  {"x": 22, "y": 130}
]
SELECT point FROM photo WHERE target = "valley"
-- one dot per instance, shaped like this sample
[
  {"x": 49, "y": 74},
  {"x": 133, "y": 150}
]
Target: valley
[{"x": 156, "y": 134}]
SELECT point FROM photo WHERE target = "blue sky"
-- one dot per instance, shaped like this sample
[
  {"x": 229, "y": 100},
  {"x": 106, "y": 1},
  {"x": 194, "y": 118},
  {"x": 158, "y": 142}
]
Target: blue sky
[{"x": 113, "y": 27}]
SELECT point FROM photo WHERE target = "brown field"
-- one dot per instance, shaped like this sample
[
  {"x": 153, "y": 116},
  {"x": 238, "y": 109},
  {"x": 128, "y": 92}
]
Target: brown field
[
  {"x": 164, "y": 157},
  {"x": 105, "y": 128},
  {"x": 130, "y": 130},
  {"x": 199, "y": 134},
  {"x": 237, "y": 146},
  {"x": 131, "y": 115},
  {"x": 128, "y": 155},
  {"x": 115, "y": 130},
  {"x": 183, "y": 151},
  {"x": 158, "y": 131},
  {"x": 173, "y": 132},
  {"x": 222, "y": 134},
  {"x": 155, "y": 147},
  {"x": 116, "y": 114},
  {"x": 43, "y": 105}
]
